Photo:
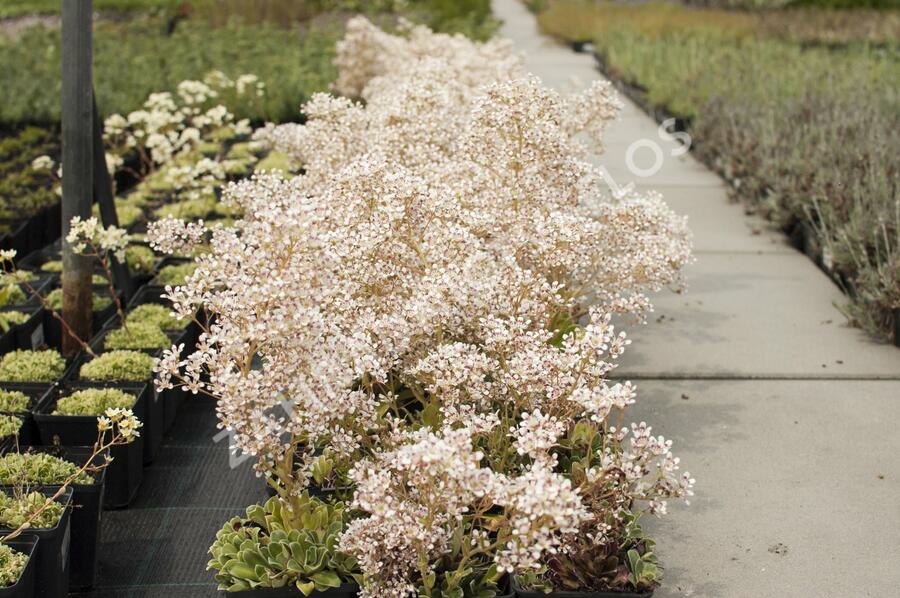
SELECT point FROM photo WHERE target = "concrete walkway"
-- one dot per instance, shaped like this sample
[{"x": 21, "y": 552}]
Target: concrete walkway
[{"x": 787, "y": 418}]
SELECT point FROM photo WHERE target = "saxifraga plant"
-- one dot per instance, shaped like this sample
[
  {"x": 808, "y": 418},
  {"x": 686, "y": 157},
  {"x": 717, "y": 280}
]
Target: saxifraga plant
[
  {"x": 286, "y": 542},
  {"x": 32, "y": 366},
  {"x": 94, "y": 401},
  {"x": 34, "y": 469},
  {"x": 115, "y": 366},
  {"x": 12, "y": 564}
]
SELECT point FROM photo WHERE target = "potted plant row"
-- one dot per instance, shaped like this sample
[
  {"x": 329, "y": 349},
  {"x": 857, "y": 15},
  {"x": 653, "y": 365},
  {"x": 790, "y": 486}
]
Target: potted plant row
[
  {"x": 67, "y": 415},
  {"x": 127, "y": 370},
  {"x": 46, "y": 468},
  {"x": 54, "y": 494},
  {"x": 149, "y": 305},
  {"x": 51, "y": 527}
]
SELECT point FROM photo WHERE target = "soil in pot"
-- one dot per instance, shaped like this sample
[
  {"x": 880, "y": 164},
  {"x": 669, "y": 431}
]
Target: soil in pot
[
  {"x": 87, "y": 502},
  {"x": 24, "y": 587},
  {"x": 125, "y": 473},
  {"x": 52, "y": 553}
]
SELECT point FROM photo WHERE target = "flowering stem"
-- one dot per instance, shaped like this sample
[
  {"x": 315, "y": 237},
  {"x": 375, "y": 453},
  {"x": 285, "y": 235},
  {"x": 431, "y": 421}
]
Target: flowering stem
[
  {"x": 53, "y": 312},
  {"x": 104, "y": 262},
  {"x": 99, "y": 447}
]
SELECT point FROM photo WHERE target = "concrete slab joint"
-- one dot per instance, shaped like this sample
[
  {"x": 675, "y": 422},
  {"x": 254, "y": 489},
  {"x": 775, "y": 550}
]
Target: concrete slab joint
[{"x": 785, "y": 415}]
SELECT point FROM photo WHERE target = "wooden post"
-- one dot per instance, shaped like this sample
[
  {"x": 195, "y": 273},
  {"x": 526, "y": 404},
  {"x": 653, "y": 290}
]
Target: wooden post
[{"x": 77, "y": 162}]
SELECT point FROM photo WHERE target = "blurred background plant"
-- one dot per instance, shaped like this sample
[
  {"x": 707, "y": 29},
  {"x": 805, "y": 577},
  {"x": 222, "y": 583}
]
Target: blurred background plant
[{"x": 797, "y": 107}]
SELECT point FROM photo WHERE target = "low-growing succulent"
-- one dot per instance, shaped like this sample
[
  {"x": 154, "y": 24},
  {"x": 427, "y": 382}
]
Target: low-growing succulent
[
  {"x": 286, "y": 542},
  {"x": 175, "y": 274},
  {"x": 274, "y": 161},
  {"x": 17, "y": 276},
  {"x": 9, "y": 425},
  {"x": 209, "y": 149},
  {"x": 116, "y": 366},
  {"x": 100, "y": 301},
  {"x": 12, "y": 564},
  {"x": 137, "y": 336},
  {"x": 189, "y": 209},
  {"x": 32, "y": 366},
  {"x": 139, "y": 258},
  {"x": 15, "y": 510},
  {"x": 155, "y": 314},
  {"x": 13, "y": 401},
  {"x": 35, "y": 469},
  {"x": 140, "y": 198},
  {"x": 8, "y": 319},
  {"x": 52, "y": 266},
  {"x": 128, "y": 214},
  {"x": 94, "y": 401},
  {"x": 243, "y": 151},
  {"x": 12, "y": 294},
  {"x": 238, "y": 167},
  {"x": 623, "y": 564},
  {"x": 56, "y": 267}
]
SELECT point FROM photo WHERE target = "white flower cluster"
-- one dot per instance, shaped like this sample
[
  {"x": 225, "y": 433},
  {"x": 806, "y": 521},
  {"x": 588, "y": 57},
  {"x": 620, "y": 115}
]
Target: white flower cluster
[
  {"x": 89, "y": 236},
  {"x": 43, "y": 163},
  {"x": 174, "y": 236},
  {"x": 431, "y": 489},
  {"x": 125, "y": 427},
  {"x": 416, "y": 304},
  {"x": 172, "y": 124}
]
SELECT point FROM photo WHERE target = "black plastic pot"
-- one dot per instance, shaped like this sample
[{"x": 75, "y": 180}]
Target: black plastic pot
[
  {"x": 152, "y": 430},
  {"x": 30, "y": 333},
  {"x": 19, "y": 334},
  {"x": 37, "y": 258},
  {"x": 347, "y": 590},
  {"x": 17, "y": 238},
  {"x": 8, "y": 341},
  {"x": 520, "y": 593},
  {"x": 35, "y": 231},
  {"x": 52, "y": 552},
  {"x": 27, "y": 335},
  {"x": 24, "y": 587},
  {"x": 87, "y": 502},
  {"x": 173, "y": 398},
  {"x": 125, "y": 473},
  {"x": 25, "y": 434},
  {"x": 53, "y": 329},
  {"x": 29, "y": 433},
  {"x": 43, "y": 284}
]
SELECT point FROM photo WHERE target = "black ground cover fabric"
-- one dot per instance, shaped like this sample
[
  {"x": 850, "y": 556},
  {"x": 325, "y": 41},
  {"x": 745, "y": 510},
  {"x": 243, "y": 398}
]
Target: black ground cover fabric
[{"x": 157, "y": 547}]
